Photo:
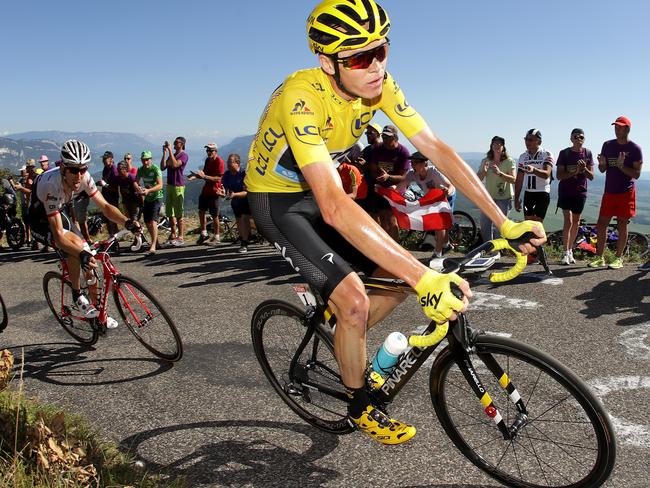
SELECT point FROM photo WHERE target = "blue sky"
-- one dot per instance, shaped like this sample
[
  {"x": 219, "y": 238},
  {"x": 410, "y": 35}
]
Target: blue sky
[{"x": 206, "y": 68}]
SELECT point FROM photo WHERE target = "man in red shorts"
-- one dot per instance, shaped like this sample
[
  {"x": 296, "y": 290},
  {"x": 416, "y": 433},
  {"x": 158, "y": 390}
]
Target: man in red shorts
[{"x": 621, "y": 160}]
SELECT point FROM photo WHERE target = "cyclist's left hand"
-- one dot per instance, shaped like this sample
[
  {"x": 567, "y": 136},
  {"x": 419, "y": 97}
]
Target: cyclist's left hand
[
  {"x": 436, "y": 298},
  {"x": 514, "y": 230}
]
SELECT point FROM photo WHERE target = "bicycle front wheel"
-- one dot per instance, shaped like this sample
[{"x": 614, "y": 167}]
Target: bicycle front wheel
[
  {"x": 463, "y": 230},
  {"x": 58, "y": 294},
  {"x": 566, "y": 439},
  {"x": 277, "y": 329},
  {"x": 16, "y": 234},
  {"x": 637, "y": 243},
  {"x": 147, "y": 319}
]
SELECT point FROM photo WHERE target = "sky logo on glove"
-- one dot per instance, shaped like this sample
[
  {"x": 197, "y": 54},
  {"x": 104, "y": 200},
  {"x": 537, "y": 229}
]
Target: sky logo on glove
[{"x": 428, "y": 301}]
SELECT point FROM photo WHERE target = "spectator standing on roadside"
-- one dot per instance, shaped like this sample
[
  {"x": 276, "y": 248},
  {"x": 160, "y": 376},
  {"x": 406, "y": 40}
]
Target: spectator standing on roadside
[
  {"x": 534, "y": 173},
  {"x": 44, "y": 161},
  {"x": 149, "y": 184},
  {"x": 392, "y": 159},
  {"x": 175, "y": 162},
  {"x": 621, "y": 160},
  {"x": 24, "y": 189},
  {"x": 373, "y": 136},
  {"x": 575, "y": 167},
  {"x": 110, "y": 190},
  {"x": 128, "y": 191},
  {"x": 128, "y": 159},
  {"x": 212, "y": 173},
  {"x": 498, "y": 171},
  {"x": 233, "y": 183}
]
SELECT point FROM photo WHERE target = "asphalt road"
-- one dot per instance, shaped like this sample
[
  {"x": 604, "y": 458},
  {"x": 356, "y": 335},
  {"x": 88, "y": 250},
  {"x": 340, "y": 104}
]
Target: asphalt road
[{"x": 214, "y": 419}]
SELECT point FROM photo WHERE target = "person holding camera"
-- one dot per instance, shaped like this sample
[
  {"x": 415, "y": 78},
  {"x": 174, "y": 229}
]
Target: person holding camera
[{"x": 175, "y": 162}]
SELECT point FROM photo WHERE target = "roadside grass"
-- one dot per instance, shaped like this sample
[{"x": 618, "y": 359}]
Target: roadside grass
[{"x": 41, "y": 446}]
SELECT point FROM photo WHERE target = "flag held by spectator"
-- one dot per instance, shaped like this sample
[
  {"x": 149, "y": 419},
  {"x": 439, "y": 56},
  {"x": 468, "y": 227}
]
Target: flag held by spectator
[{"x": 431, "y": 212}]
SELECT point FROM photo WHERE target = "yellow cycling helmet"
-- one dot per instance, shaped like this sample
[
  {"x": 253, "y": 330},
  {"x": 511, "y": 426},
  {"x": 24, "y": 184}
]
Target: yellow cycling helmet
[{"x": 338, "y": 25}]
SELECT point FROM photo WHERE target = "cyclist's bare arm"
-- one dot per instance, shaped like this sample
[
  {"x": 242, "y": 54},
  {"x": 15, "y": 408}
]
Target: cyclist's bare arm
[
  {"x": 110, "y": 212},
  {"x": 72, "y": 247},
  {"x": 464, "y": 179},
  {"x": 358, "y": 228}
]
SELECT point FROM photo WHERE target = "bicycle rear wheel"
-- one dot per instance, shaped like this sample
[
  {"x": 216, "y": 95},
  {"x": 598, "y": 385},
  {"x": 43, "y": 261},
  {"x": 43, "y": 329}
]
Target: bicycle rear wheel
[
  {"x": 566, "y": 440},
  {"x": 463, "y": 230},
  {"x": 58, "y": 294},
  {"x": 277, "y": 329},
  {"x": 147, "y": 319},
  {"x": 4, "y": 318}
]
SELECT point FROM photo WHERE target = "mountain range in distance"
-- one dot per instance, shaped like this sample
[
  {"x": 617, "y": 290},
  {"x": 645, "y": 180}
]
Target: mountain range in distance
[{"x": 15, "y": 149}]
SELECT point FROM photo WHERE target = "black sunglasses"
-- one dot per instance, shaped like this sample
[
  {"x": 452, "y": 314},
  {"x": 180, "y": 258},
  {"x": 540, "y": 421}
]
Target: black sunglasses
[
  {"x": 75, "y": 170},
  {"x": 364, "y": 59}
]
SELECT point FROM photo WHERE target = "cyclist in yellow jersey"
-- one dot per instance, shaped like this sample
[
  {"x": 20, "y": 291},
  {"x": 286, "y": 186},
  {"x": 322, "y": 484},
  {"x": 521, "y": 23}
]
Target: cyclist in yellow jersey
[{"x": 298, "y": 203}]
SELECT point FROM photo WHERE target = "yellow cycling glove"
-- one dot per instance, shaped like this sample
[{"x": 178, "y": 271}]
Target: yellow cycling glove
[
  {"x": 435, "y": 296},
  {"x": 514, "y": 230}
]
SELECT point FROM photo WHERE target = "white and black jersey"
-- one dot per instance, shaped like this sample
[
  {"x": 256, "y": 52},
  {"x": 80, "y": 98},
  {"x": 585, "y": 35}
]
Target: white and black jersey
[
  {"x": 50, "y": 194},
  {"x": 532, "y": 182}
]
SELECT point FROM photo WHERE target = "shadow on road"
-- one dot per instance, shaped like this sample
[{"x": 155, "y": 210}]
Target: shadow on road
[
  {"x": 223, "y": 265},
  {"x": 611, "y": 297},
  {"x": 240, "y": 453},
  {"x": 68, "y": 364}
]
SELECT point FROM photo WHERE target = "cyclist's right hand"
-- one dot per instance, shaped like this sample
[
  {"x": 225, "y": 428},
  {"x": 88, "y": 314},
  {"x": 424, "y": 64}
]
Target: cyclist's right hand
[
  {"x": 513, "y": 230},
  {"x": 436, "y": 298},
  {"x": 87, "y": 260}
]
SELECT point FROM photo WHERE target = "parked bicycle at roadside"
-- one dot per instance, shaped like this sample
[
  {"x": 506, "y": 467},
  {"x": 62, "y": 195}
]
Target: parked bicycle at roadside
[
  {"x": 515, "y": 412},
  {"x": 139, "y": 309}
]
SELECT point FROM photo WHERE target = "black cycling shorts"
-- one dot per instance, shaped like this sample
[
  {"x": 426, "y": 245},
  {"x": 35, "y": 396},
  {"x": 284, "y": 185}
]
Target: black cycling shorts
[
  {"x": 575, "y": 204},
  {"x": 536, "y": 203},
  {"x": 292, "y": 222}
]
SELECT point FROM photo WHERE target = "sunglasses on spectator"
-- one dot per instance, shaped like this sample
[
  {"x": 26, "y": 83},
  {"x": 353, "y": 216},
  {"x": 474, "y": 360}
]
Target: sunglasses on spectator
[
  {"x": 578, "y": 136},
  {"x": 75, "y": 170},
  {"x": 210, "y": 151},
  {"x": 364, "y": 59},
  {"x": 531, "y": 139}
]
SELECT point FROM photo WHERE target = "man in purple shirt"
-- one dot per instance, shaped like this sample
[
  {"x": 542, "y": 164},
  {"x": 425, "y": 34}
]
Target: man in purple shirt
[
  {"x": 575, "y": 167},
  {"x": 175, "y": 164},
  {"x": 391, "y": 160},
  {"x": 621, "y": 160}
]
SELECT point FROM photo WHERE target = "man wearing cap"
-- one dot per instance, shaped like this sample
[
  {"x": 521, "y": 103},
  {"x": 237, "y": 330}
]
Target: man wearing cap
[
  {"x": 151, "y": 188},
  {"x": 620, "y": 159},
  {"x": 391, "y": 159},
  {"x": 574, "y": 169},
  {"x": 44, "y": 161},
  {"x": 373, "y": 136},
  {"x": 211, "y": 173},
  {"x": 175, "y": 162},
  {"x": 534, "y": 176}
]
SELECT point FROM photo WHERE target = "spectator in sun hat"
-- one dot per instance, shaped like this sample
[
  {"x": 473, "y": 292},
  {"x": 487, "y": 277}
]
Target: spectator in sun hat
[
  {"x": 621, "y": 160},
  {"x": 44, "y": 161},
  {"x": 575, "y": 167},
  {"x": 150, "y": 185}
]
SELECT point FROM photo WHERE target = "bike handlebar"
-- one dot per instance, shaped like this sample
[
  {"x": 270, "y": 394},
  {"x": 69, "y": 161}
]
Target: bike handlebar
[{"x": 453, "y": 265}]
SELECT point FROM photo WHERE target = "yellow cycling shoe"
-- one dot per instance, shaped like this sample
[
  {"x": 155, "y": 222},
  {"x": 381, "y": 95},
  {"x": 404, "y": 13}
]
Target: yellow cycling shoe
[{"x": 379, "y": 427}]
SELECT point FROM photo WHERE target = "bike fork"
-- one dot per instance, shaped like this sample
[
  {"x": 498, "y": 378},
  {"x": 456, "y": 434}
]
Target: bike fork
[{"x": 489, "y": 407}]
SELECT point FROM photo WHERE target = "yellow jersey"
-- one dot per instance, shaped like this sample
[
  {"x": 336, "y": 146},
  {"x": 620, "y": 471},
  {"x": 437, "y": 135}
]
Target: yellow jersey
[{"x": 305, "y": 121}]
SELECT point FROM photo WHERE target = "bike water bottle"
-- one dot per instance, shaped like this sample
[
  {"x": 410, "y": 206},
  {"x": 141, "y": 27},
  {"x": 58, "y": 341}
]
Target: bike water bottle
[{"x": 386, "y": 358}]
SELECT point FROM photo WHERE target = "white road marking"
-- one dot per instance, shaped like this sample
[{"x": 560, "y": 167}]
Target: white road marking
[
  {"x": 635, "y": 341},
  {"x": 494, "y": 301},
  {"x": 637, "y": 435}
]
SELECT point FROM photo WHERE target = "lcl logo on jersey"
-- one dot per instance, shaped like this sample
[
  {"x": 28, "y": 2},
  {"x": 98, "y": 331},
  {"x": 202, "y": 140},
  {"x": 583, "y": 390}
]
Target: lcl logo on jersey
[
  {"x": 359, "y": 124},
  {"x": 404, "y": 109},
  {"x": 309, "y": 134}
]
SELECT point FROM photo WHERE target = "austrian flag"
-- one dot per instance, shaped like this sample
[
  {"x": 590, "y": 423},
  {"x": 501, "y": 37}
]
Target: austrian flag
[{"x": 431, "y": 212}]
